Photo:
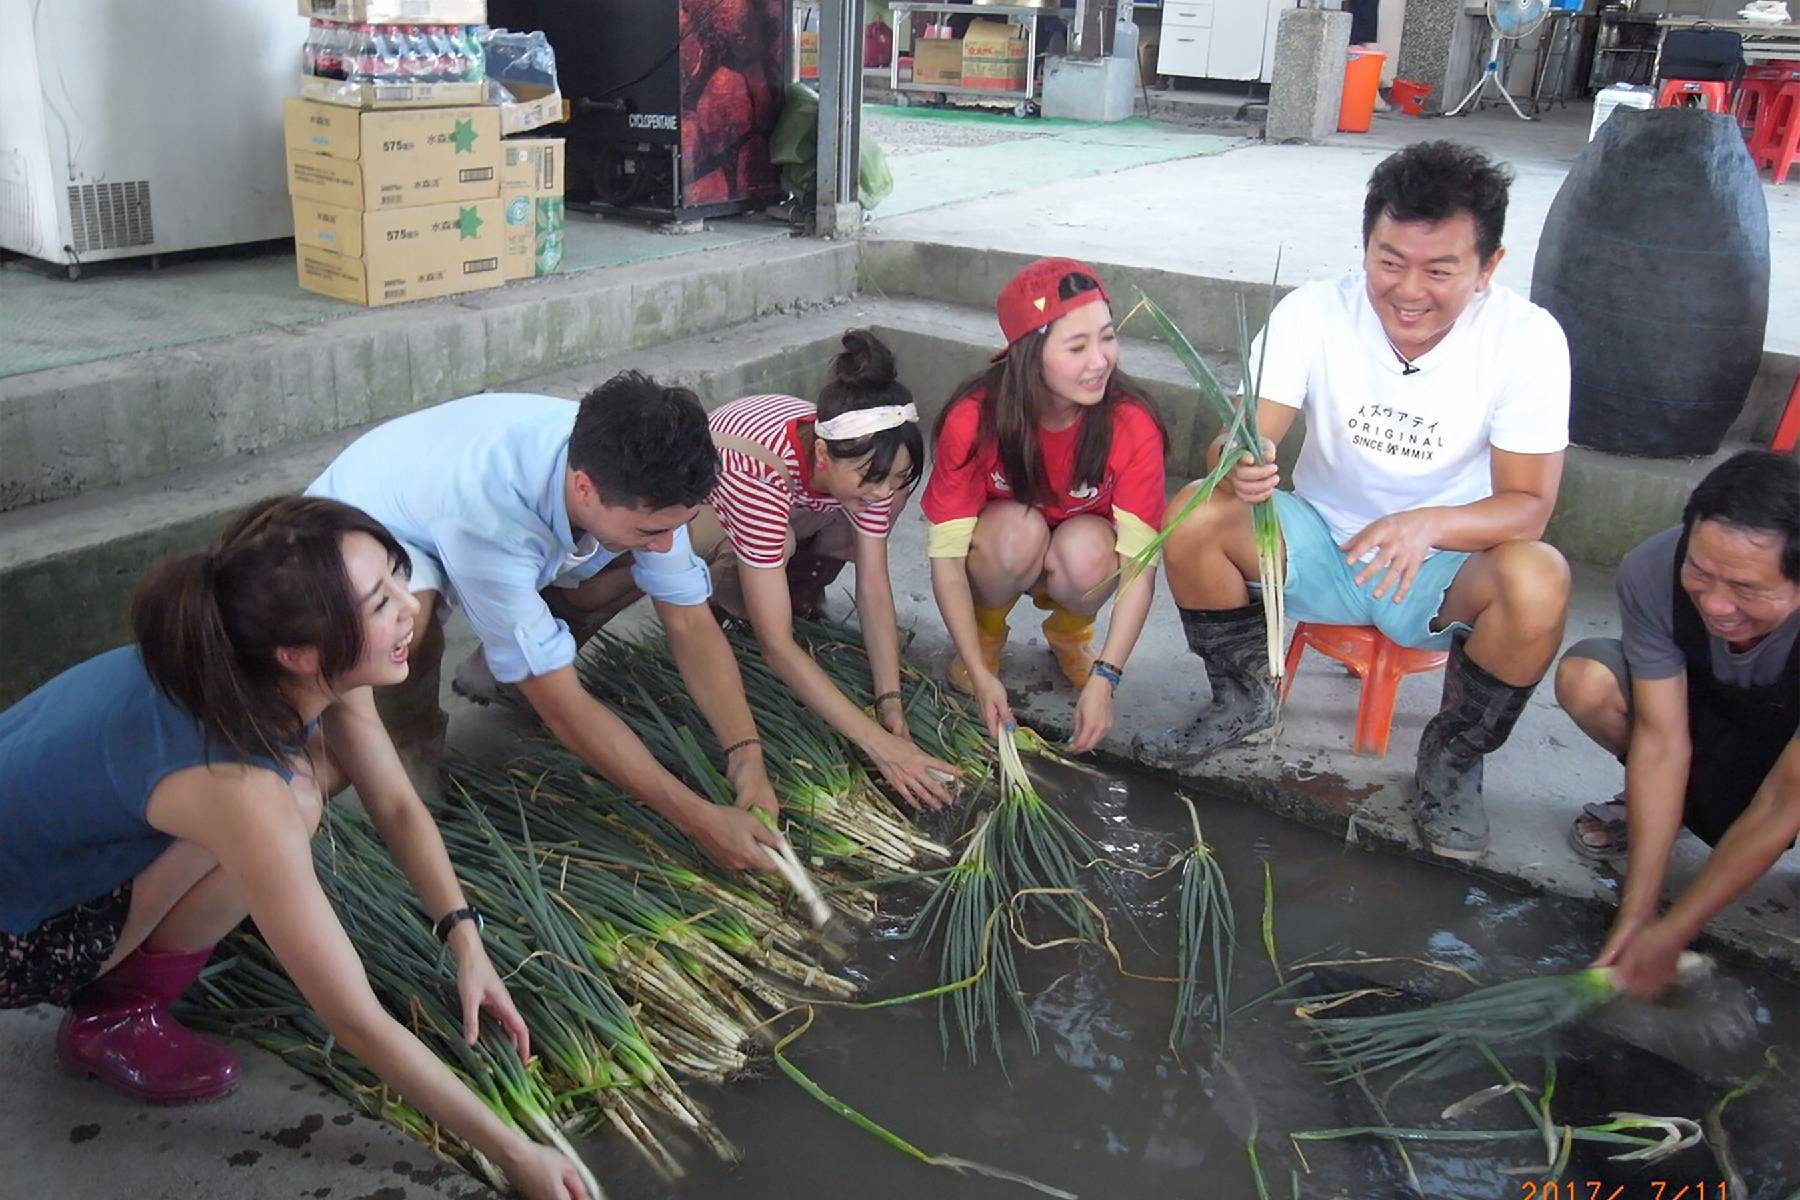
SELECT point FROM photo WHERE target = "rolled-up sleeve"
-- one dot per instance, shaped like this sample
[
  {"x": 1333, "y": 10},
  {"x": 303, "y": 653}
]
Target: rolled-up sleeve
[
  {"x": 497, "y": 586},
  {"x": 674, "y": 576},
  {"x": 957, "y": 489}
]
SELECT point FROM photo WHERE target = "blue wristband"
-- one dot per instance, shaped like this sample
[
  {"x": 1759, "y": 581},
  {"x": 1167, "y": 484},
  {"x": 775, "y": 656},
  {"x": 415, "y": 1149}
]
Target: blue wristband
[{"x": 1113, "y": 675}]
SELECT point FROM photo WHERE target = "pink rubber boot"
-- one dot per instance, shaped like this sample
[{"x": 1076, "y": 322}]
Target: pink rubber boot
[{"x": 118, "y": 1029}]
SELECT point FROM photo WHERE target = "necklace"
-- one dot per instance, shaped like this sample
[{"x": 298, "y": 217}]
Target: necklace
[{"x": 1406, "y": 364}]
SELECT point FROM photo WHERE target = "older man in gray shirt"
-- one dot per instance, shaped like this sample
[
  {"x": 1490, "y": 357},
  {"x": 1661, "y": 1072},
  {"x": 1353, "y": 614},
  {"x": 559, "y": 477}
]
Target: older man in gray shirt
[{"x": 1700, "y": 698}]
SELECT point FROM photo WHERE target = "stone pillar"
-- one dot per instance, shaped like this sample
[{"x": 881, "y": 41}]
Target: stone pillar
[
  {"x": 1436, "y": 45},
  {"x": 840, "y": 118},
  {"x": 1310, "y": 48}
]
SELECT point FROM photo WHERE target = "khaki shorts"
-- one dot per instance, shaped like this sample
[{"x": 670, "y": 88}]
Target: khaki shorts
[{"x": 827, "y": 534}]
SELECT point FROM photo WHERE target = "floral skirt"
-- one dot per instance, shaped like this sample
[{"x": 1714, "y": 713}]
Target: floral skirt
[{"x": 49, "y": 964}]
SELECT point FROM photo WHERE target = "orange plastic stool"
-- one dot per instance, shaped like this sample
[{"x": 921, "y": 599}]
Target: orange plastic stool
[
  {"x": 1713, "y": 95},
  {"x": 1777, "y": 140},
  {"x": 1380, "y": 664}
]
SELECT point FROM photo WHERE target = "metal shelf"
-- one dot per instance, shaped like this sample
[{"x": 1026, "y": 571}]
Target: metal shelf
[{"x": 1020, "y": 100}]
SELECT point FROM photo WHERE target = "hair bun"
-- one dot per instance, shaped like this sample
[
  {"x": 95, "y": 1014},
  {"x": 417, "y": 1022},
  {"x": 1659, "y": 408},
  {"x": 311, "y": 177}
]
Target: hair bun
[{"x": 865, "y": 363}]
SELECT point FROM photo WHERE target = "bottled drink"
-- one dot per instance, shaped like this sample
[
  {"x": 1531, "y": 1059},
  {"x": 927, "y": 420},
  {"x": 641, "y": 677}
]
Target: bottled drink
[
  {"x": 474, "y": 37},
  {"x": 361, "y": 57},
  {"x": 416, "y": 63},
  {"x": 447, "y": 53},
  {"x": 389, "y": 49},
  {"x": 328, "y": 58}
]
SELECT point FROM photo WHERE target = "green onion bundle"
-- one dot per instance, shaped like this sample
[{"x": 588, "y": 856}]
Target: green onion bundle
[
  {"x": 1419, "y": 1039},
  {"x": 976, "y": 962},
  {"x": 1205, "y": 925},
  {"x": 1242, "y": 435},
  {"x": 1036, "y": 850},
  {"x": 835, "y": 813}
]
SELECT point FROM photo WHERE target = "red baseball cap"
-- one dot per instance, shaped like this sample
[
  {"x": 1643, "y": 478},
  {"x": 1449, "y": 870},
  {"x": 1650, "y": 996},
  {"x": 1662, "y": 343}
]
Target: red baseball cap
[{"x": 1032, "y": 299}]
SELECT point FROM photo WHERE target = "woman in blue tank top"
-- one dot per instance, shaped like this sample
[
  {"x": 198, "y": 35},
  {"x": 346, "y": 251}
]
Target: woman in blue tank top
[{"x": 153, "y": 796}]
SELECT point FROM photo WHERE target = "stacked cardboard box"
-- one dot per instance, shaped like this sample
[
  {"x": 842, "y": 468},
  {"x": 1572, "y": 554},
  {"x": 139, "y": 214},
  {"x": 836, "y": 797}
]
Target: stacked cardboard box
[
  {"x": 993, "y": 57},
  {"x": 396, "y": 202},
  {"x": 395, "y": 205},
  {"x": 531, "y": 190}
]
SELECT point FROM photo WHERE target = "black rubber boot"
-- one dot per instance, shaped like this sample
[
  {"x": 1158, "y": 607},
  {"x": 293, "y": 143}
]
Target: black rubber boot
[
  {"x": 1234, "y": 645},
  {"x": 1476, "y": 717}
]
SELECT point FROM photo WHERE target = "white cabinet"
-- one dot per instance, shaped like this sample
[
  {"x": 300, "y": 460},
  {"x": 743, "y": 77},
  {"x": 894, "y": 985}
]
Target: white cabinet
[
  {"x": 1185, "y": 47},
  {"x": 1219, "y": 39}
]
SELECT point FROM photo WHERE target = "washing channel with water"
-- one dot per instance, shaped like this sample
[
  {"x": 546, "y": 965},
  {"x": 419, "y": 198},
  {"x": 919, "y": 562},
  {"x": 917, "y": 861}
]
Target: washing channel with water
[{"x": 1107, "y": 1109}]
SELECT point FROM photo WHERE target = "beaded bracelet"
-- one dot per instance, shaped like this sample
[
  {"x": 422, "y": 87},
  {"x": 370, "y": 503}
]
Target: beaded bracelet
[
  {"x": 1112, "y": 674},
  {"x": 736, "y": 746},
  {"x": 894, "y": 695}
]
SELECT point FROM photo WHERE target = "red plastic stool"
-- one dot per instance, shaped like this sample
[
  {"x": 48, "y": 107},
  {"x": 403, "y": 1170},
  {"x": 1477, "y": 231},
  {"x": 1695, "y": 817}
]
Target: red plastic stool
[
  {"x": 1713, "y": 95},
  {"x": 1787, "y": 430},
  {"x": 1754, "y": 95},
  {"x": 1371, "y": 657},
  {"x": 1778, "y": 134}
]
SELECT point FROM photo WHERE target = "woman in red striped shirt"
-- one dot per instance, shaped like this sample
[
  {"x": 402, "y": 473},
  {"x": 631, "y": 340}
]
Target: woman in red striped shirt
[
  {"x": 803, "y": 489},
  {"x": 1047, "y": 477}
]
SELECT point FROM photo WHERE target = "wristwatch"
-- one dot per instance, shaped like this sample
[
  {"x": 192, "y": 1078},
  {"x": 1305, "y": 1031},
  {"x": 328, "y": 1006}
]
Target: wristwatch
[{"x": 451, "y": 920}]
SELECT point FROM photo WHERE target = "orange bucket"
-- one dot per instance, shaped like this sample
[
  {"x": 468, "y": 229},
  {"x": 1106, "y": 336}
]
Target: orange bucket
[
  {"x": 1409, "y": 96},
  {"x": 1362, "y": 79}
]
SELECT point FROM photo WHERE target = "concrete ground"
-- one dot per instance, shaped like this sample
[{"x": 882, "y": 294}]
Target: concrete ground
[
  {"x": 1229, "y": 215},
  {"x": 1211, "y": 210}
]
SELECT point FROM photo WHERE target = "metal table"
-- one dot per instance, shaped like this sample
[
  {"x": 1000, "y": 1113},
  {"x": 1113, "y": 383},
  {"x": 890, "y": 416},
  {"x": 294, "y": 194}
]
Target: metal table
[
  {"x": 1762, "y": 41},
  {"x": 1022, "y": 105}
]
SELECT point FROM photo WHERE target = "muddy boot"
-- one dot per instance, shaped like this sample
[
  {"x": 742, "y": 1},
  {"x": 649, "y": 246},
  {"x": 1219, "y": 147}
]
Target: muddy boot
[
  {"x": 808, "y": 576},
  {"x": 990, "y": 627},
  {"x": 474, "y": 681},
  {"x": 1233, "y": 643},
  {"x": 1477, "y": 715},
  {"x": 1070, "y": 637},
  {"x": 118, "y": 1029}
]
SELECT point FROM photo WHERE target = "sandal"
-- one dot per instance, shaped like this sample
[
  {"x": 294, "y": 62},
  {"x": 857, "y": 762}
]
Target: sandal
[{"x": 1598, "y": 834}]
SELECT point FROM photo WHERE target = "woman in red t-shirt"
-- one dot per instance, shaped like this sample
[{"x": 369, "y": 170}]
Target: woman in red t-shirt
[
  {"x": 803, "y": 489},
  {"x": 1047, "y": 477}
]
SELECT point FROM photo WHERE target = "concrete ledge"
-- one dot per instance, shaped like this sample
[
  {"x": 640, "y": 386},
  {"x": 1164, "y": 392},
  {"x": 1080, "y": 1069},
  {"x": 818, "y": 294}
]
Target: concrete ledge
[
  {"x": 118, "y": 421},
  {"x": 67, "y": 567}
]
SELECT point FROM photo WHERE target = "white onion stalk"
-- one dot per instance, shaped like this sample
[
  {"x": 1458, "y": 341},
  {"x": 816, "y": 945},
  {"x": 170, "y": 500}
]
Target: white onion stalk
[{"x": 788, "y": 864}]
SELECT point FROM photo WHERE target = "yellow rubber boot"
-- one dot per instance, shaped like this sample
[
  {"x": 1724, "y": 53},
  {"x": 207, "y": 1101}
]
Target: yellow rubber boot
[
  {"x": 1071, "y": 637},
  {"x": 990, "y": 626}
]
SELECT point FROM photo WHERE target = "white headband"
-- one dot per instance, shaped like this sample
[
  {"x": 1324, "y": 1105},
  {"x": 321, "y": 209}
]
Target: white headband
[{"x": 861, "y": 422}]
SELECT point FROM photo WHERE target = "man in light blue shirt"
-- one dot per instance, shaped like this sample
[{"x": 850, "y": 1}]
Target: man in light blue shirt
[{"x": 541, "y": 518}]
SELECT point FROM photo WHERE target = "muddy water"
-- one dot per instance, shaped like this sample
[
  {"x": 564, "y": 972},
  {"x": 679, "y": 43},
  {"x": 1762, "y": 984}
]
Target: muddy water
[{"x": 1105, "y": 1109}]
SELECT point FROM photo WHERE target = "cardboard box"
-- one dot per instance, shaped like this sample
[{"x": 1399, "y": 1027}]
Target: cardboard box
[
  {"x": 532, "y": 108},
  {"x": 806, "y": 54},
  {"x": 398, "y": 12},
  {"x": 531, "y": 192},
  {"x": 993, "y": 57},
  {"x": 390, "y": 95},
  {"x": 392, "y": 158},
  {"x": 938, "y": 60},
  {"x": 377, "y": 258}
]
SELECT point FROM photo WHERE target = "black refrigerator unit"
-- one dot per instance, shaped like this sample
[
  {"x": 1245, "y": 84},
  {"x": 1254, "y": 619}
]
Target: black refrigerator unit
[{"x": 671, "y": 101}]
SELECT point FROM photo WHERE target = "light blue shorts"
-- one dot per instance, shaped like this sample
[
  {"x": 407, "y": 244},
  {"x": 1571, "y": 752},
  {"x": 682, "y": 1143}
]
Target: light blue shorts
[{"x": 1321, "y": 587}]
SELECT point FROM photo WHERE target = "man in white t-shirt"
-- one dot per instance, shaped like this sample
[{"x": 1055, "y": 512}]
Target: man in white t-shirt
[{"x": 1436, "y": 417}]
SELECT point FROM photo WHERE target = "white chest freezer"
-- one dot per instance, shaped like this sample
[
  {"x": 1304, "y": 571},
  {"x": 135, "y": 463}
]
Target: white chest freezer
[{"x": 132, "y": 128}]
